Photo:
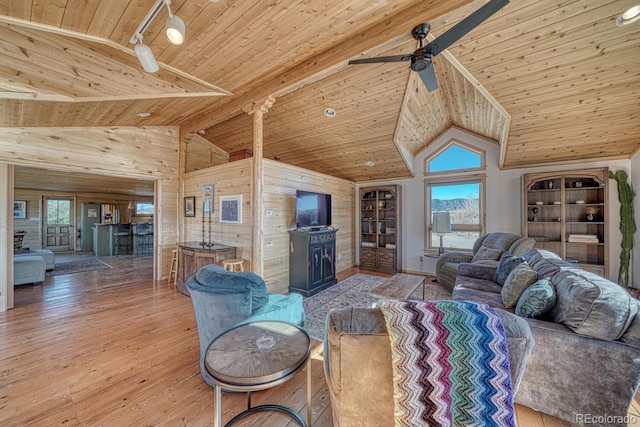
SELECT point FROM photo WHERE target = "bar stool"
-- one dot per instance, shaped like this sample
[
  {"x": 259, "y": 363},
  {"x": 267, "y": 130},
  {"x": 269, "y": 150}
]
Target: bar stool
[
  {"x": 174, "y": 268},
  {"x": 122, "y": 238},
  {"x": 233, "y": 264}
]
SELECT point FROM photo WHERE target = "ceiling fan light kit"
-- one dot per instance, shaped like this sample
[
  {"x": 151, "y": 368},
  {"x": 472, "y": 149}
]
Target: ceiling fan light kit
[
  {"x": 175, "y": 31},
  {"x": 422, "y": 58}
]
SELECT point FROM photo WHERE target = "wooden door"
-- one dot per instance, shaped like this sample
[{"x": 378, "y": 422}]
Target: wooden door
[{"x": 58, "y": 224}]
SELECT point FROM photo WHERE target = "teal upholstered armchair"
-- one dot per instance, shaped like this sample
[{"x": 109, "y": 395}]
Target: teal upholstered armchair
[
  {"x": 487, "y": 249},
  {"x": 222, "y": 299}
]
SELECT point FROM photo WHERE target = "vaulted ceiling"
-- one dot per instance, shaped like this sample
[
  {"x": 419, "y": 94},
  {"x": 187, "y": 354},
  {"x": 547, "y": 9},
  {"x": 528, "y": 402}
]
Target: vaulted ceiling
[{"x": 548, "y": 81}]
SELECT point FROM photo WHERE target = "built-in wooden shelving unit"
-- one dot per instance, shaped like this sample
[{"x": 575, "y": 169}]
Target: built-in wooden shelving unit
[{"x": 567, "y": 213}]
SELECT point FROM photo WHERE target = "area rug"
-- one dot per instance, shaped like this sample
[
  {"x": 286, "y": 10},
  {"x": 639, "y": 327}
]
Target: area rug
[
  {"x": 77, "y": 266},
  {"x": 354, "y": 292}
]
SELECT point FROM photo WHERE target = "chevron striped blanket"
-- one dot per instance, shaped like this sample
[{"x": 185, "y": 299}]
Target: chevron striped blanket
[{"x": 450, "y": 364}]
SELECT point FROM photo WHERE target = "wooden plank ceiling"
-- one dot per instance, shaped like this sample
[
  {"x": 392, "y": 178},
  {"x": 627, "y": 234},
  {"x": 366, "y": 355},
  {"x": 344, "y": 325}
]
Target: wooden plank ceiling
[{"x": 550, "y": 81}]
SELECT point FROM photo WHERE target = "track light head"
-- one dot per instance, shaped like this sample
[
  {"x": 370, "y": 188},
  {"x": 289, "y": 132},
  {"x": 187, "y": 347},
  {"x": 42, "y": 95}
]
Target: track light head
[
  {"x": 146, "y": 58},
  {"x": 175, "y": 30}
]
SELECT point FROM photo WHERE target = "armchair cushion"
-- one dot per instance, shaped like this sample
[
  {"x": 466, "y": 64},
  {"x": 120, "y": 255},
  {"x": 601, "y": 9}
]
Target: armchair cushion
[
  {"x": 286, "y": 308},
  {"x": 214, "y": 276}
]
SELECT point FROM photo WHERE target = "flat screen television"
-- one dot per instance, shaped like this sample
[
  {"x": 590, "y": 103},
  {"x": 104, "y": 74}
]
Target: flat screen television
[{"x": 313, "y": 209}]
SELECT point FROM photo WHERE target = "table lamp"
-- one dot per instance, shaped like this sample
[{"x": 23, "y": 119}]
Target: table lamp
[{"x": 441, "y": 225}]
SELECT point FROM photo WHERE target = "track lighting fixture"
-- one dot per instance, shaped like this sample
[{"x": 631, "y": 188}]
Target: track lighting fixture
[
  {"x": 146, "y": 57},
  {"x": 175, "y": 31}
]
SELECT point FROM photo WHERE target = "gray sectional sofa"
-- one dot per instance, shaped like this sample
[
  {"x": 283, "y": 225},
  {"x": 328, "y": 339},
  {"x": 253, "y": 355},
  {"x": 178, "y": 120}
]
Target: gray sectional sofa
[{"x": 585, "y": 366}]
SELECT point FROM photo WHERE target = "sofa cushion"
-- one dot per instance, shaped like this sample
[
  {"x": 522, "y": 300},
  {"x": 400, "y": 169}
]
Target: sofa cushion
[
  {"x": 506, "y": 265},
  {"x": 214, "y": 276},
  {"x": 517, "y": 281},
  {"x": 537, "y": 300},
  {"x": 485, "y": 253},
  {"x": 592, "y": 305},
  {"x": 546, "y": 263},
  {"x": 478, "y": 284},
  {"x": 632, "y": 335},
  {"x": 492, "y": 299}
]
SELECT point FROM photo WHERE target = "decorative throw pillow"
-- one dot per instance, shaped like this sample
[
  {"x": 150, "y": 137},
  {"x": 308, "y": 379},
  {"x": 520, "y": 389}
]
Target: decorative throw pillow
[
  {"x": 517, "y": 281},
  {"x": 487, "y": 253},
  {"x": 537, "y": 300},
  {"x": 507, "y": 263}
]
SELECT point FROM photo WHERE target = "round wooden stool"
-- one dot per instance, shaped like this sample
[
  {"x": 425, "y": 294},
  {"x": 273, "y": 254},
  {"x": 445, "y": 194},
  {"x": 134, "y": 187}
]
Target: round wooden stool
[{"x": 233, "y": 264}]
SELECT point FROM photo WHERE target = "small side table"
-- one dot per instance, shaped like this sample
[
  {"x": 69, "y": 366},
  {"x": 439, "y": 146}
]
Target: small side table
[{"x": 257, "y": 356}]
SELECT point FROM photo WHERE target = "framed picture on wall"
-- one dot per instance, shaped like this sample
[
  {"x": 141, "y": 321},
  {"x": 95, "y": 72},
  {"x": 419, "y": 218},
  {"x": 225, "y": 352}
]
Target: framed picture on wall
[
  {"x": 19, "y": 209},
  {"x": 190, "y": 206},
  {"x": 231, "y": 209}
]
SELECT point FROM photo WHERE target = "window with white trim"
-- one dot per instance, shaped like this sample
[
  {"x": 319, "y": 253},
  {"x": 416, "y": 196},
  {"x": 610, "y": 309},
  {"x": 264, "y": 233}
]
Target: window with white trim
[{"x": 454, "y": 185}]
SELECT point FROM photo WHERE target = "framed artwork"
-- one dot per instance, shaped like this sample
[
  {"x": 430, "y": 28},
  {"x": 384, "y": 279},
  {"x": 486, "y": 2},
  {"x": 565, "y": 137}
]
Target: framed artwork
[
  {"x": 207, "y": 199},
  {"x": 143, "y": 209},
  {"x": 190, "y": 206},
  {"x": 20, "y": 209},
  {"x": 231, "y": 209}
]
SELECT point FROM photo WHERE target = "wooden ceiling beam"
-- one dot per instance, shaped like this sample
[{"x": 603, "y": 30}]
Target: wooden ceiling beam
[{"x": 327, "y": 62}]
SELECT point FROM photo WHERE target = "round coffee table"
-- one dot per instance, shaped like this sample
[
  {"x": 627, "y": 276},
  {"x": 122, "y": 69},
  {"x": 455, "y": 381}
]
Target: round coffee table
[{"x": 257, "y": 356}]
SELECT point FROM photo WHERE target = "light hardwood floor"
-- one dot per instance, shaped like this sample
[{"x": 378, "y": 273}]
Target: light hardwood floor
[{"x": 110, "y": 347}]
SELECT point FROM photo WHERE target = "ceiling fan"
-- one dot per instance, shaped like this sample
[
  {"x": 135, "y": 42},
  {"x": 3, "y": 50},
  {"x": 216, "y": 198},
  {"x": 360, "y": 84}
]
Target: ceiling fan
[{"x": 421, "y": 59}]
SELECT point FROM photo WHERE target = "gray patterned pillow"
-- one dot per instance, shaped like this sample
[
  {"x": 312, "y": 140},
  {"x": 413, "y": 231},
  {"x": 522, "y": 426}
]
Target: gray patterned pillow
[
  {"x": 507, "y": 263},
  {"x": 517, "y": 281},
  {"x": 537, "y": 300}
]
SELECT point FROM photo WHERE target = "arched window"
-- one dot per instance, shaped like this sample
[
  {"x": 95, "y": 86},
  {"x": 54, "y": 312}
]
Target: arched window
[
  {"x": 455, "y": 157},
  {"x": 454, "y": 186}
]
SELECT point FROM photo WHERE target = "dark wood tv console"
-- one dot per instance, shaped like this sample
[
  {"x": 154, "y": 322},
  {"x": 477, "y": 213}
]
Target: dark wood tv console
[{"x": 312, "y": 260}]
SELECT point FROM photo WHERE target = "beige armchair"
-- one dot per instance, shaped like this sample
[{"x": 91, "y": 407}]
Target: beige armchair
[{"x": 487, "y": 249}]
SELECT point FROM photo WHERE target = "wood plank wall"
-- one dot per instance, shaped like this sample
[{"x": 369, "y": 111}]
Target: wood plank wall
[
  {"x": 202, "y": 154},
  {"x": 229, "y": 179},
  {"x": 149, "y": 153},
  {"x": 281, "y": 182}
]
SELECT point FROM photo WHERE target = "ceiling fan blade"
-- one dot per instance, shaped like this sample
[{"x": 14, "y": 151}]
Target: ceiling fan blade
[
  {"x": 428, "y": 77},
  {"x": 395, "y": 58},
  {"x": 463, "y": 27}
]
